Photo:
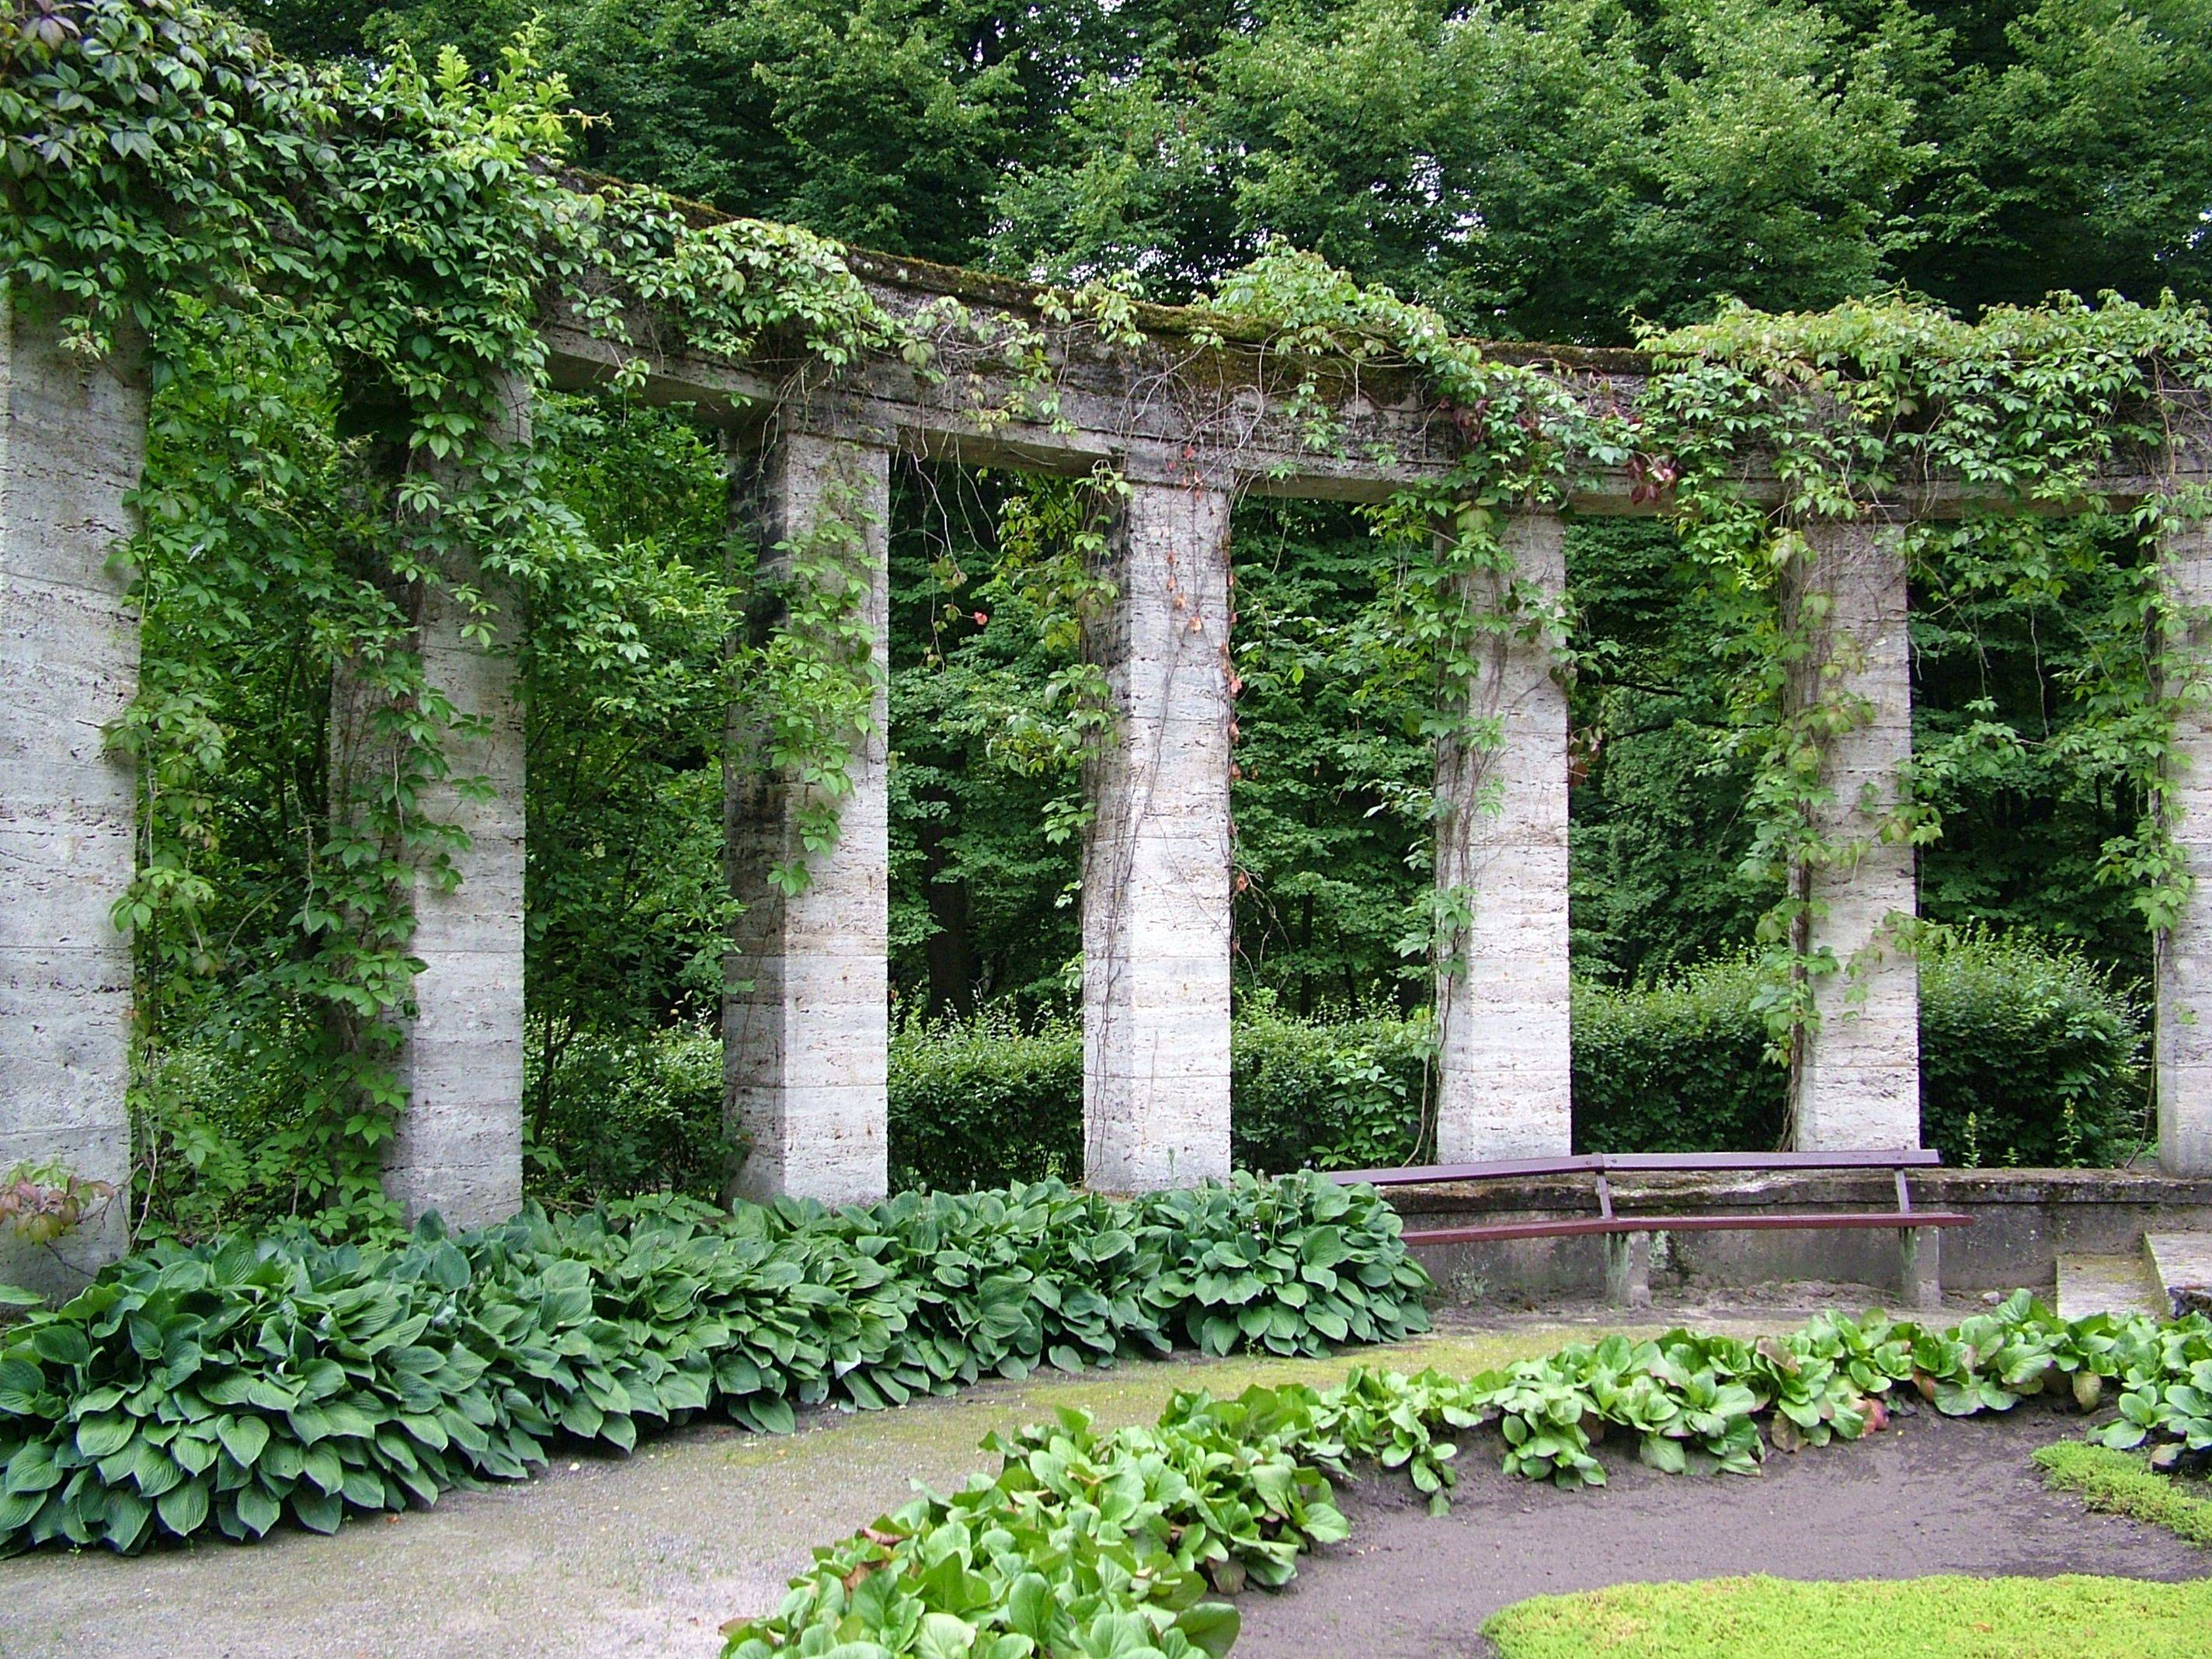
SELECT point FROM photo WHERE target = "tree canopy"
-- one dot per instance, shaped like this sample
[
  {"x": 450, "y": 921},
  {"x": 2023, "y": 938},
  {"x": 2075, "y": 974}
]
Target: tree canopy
[{"x": 1533, "y": 168}]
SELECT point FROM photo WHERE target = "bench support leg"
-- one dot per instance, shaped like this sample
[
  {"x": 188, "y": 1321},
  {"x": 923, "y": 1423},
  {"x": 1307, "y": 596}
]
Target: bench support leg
[
  {"x": 1920, "y": 1249},
  {"x": 1628, "y": 1269}
]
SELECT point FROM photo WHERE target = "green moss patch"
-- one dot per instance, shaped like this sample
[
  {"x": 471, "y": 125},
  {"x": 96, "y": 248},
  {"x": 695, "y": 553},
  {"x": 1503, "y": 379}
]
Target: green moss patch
[
  {"x": 2118, "y": 1483},
  {"x": 1946, "y": 1618}
]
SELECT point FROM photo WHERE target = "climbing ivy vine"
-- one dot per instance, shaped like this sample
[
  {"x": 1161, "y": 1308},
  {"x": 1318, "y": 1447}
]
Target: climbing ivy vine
[{"x": 1746, "y": 429}]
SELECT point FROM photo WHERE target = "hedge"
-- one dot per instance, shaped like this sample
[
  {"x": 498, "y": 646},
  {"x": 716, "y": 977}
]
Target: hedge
[
  {"x": 985, "y": 1103},
  {"x": 2028, "y": 1056},
  {"x": 1086, "y": 1543},
  {"x": 227, "y": 1387}
]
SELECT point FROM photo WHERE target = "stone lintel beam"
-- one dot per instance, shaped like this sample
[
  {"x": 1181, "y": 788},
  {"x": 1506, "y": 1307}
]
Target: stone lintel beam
[
  {"x": 1502, "y": 1087},
  {"x": 1178, "y": 395},
  {"x": 2183, "y": 1028},
  {"x": 72, "y": 446},
  {"x": 1156, "y": 869},
  {"x": 805, "y": 1015},
  {"x": 1857, "y": 1082}
]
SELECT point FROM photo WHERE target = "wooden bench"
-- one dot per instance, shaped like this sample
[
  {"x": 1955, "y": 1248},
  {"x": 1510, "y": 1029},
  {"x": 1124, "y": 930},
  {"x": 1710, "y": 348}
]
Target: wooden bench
[{"x": 1628, "y": 1259}]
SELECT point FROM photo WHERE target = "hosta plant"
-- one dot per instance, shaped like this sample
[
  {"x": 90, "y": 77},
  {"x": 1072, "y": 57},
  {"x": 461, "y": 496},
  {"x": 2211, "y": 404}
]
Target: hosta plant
[{"x": 229, "y": 1386}]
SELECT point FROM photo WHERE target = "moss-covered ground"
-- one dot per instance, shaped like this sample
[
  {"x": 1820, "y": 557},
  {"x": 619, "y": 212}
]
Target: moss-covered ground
[{"x": 1941, "y": 1618}]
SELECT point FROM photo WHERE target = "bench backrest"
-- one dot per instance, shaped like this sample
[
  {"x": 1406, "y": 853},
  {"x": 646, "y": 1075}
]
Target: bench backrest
[{"x": 1894, "y": 1157}]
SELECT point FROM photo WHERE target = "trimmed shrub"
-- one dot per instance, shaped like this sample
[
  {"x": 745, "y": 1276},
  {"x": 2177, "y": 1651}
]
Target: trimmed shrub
[
  {"x": 225, "y": 1387},
  {"x": 984, "y": 1103},
  {"x": 1342, "y": 1094},
  {"x": 2028, "y": 1056},
  {"x": 1675, "y": 1066}
]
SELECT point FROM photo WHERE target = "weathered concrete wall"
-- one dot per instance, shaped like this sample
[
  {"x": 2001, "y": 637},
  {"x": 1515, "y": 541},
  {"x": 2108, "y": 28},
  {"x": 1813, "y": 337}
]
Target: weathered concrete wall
[
  {"x": 73, "y": 444},
  {"x": 2184, "y": 950},
  {"x": 1156, "y": 870},
  {"x": 1503, "y": 1069},
  {"x": 1857, "y": 1080},
  {"x": 457, "y": 1148},
  {"x": 805, "y": 1023}
]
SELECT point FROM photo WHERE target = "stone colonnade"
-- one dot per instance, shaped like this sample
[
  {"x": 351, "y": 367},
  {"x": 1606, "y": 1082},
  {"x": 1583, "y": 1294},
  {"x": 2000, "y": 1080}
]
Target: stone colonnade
[{"x": 807, "y": 1015}]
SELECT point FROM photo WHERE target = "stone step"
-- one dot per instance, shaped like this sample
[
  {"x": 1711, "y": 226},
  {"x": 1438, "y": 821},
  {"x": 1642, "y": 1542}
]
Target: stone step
[
  {"x": 2182, "y": 1263},
  {"x": 2106, "y": 1284}
]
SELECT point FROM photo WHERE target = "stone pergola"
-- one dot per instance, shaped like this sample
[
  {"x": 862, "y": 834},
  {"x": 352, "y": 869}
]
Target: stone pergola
[{"x": 1190, "y": 418}]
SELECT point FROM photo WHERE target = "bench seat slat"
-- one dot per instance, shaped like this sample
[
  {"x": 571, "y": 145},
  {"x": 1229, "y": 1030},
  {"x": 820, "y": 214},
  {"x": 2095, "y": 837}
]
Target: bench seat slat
[
  {"x": 1894, "y": 1157},
  {"x": 1583, "y": 1226}
]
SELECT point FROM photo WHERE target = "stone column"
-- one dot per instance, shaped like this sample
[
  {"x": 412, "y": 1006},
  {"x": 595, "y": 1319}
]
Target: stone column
[
  {"x": 805, "y": 1018},
  {"x": 2184, "y": 1043},
  {"x": 1155, "y": 868},
  {"x": 1503, "y": 1085},
  {"x": 457, "y": 1147},
  {"x": 1857, "y": 1082},
  {"x": 73, "y": 444}
]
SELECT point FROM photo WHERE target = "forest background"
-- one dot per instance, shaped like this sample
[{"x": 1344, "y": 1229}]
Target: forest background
[{"x": 1566, "y": 170}]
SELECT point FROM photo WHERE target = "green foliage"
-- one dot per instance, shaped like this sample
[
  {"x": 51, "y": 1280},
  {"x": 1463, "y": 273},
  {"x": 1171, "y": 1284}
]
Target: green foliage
[
  {"x": 1104, "y": 1544},
  {"x": 1332, "y": 1093},
  {"x": 994, "y": 710},
  {"x": 983, "y": 1103},
  {"x": 2028, "y": 1057},
  {"x": 1335, "y": 755},
  {"x": 1676, "y": 1065},
  {"x": 42, "y": 1199},
  {"x": 2116, "y": 1483},
  {"x": 608, "y": 1114},
  {"x": 229, "y": 1386},
  {"x": 2031, "y": 409},
  {"x": 2070, "y": 1616},
  {"x": 339, "y": 275}
]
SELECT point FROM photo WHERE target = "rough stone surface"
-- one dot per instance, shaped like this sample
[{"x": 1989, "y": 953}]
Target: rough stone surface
[
  {"x": 73, "y": 444},
  {"x": 2181, "y": 1262},
  {"x": 1156, "y": 871},
  {"x": 2106, "y": 1284},
  {"x": 2022, "y": 1222},
  {"x": 806, "y": 1022},
  {"x": 1503, "y": 1075},
  {"x": 1857, "y": 1084},
  {"x": 2183, "y": 1019},
  {"x": 457, "y": 1148}
]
